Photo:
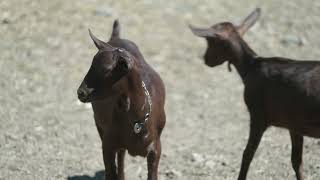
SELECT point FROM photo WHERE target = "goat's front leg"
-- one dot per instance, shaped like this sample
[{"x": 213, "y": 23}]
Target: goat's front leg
[
  {"x": 120, "y": 156},
  {"x": 109, "y": 162},
  {"x": 255, "y": 135},
  {"x": 153, "y": 159},
  {"x": 296, "y": 154}
]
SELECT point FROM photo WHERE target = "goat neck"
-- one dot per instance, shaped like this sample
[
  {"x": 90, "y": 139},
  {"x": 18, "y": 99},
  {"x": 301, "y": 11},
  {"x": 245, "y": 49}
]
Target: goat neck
[{"x": 243, "y": 58}]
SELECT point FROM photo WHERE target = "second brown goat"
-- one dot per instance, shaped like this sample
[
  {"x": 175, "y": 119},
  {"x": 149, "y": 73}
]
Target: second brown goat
[{"x": 278, "y": 91}]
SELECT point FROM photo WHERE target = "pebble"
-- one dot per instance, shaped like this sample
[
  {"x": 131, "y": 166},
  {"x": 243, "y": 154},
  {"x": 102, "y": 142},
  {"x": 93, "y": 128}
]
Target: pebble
[
  {"x": 38, "y": 128},
  {"x": 211, "y": 164},
  {"x": 173, "y": 174},
  {"x": 293, "y": 40},
  {"x": 5, "y": 21},
  {"x": 224, "y": 164},
  {"x": 105, "y": 12},
  {"x": 13, "y": 168},
  {"x": 11, "y": 137},
  {"x": 198, "y": 158}
]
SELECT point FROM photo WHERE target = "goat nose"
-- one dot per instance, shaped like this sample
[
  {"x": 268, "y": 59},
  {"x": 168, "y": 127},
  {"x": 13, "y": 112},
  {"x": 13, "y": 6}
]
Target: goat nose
[{"x": 82, "y": 93}]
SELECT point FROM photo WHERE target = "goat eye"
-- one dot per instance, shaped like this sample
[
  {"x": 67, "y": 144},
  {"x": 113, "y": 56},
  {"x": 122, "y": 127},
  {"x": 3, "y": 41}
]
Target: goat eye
[{"x": 106, "y": 72}]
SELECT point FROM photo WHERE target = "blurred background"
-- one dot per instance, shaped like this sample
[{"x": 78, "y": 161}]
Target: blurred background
[{"x": 45, "y": 133}]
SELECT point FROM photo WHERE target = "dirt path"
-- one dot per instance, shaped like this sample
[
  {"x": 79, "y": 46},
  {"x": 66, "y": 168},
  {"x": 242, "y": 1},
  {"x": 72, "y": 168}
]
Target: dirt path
[{"x": 45, "y": 52}]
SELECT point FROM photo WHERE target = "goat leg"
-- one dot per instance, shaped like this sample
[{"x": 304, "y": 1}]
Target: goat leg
[
  {"x": 153, "y": 159},
  {"x": 100, "y": 131},
  {"x": 255, "y": 136},
  {"x": 120, "y": 156},
  {"x": 109, "y": 162},
  {"x": 296, "y": 154}
]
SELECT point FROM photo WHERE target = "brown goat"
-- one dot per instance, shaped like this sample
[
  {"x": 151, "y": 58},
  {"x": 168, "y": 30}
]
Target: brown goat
[
  {"x": 278, "y": 91},
  {"x": 128, "y": 99}
]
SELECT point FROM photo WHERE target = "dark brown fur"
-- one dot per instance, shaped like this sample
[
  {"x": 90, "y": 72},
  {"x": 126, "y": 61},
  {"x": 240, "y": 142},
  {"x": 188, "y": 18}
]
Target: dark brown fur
[
  {"x": 278, "y": 91},
  {"x": 113, "y": 85}
]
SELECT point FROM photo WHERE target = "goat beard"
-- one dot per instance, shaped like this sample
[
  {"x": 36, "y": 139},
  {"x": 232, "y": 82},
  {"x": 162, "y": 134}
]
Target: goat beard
[{"x": 229, "y": 66}]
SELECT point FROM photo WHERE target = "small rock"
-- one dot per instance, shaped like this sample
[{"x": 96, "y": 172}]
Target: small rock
[
  {"x": 55, "y": 42},
  {"x": 173, "y": 174},
  {"x": 295, "y": 40},
  {"x": 201, "y": 116},
  {"x": 106, "y": 12},
  {"x": 198, "y": 158},
  {"x": 5, "y": 21},
  {"x": 38, "y": 128},
  {"x": 223, "y": 164},
  {"x": 210, "y": 164},
  {"x": 10, "y": 137},
  {"x": 13, "y": 168}
]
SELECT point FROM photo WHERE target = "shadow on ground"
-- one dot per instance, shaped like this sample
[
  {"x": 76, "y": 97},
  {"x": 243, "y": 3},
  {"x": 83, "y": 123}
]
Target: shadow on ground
[{"x": 99, "y": 175}]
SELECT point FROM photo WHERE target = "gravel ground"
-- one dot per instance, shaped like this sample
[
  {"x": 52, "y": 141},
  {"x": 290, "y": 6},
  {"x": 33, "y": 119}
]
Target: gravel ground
[{"x": 45, "y": 133}]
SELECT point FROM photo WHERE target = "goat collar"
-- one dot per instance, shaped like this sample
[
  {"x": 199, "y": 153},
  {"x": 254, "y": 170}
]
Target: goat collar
[{"x": 138, "y": 126}]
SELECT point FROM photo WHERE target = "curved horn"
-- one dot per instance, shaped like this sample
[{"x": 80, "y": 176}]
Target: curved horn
[
  {"x": 99, "y": 44},
  {"x": 115, "y": 30}
]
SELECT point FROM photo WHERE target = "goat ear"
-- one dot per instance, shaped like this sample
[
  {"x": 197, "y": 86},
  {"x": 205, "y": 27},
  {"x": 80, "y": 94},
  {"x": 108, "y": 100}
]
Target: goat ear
[
  {"x": 125, "y": 64},
  {"x": 99, "y": 44},
  {"x": 115, "y": 30},
  {"x": 202, "y": 32},
  {"x": 249, "y": 21}
]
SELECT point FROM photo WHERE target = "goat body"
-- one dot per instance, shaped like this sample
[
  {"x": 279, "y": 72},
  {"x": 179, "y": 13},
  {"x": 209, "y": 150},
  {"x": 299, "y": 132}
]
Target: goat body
[
  {"x": 286, "y": 92},
  {"x": 128, "y": 99},
  {"x": 278, "y": 91}
]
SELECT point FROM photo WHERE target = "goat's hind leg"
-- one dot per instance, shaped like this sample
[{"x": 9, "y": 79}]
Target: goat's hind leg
[
  {"x": 296, "y": 154},
  {"x": 255, "y": 135}
]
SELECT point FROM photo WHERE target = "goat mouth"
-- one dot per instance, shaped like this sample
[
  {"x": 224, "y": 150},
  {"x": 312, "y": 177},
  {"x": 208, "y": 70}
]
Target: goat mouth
[
  {"x": 210, "y": 64},
  {"x": 84, "y": 99},
  {"x": 91, "y": 98},
  {"x": 213, "y": 64}
]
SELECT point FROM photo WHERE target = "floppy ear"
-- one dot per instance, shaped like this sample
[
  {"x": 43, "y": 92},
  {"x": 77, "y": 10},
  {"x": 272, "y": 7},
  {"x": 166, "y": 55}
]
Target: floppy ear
[
  {"x": 115, "y": 30},
  {"x": 201, "y": 32},
  {"x": 249, "y": 21},
  {"x": 99, "y": 44}
]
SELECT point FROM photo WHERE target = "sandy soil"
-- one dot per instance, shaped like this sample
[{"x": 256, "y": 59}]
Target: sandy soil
[{"x": 45, "y": 133}]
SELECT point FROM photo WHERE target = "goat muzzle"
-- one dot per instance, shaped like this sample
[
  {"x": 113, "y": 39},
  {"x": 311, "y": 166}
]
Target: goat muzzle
[{"x": 84, "y": 92}]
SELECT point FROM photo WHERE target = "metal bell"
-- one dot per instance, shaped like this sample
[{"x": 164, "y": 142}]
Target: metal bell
[{"x": 137, "y": 128}]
